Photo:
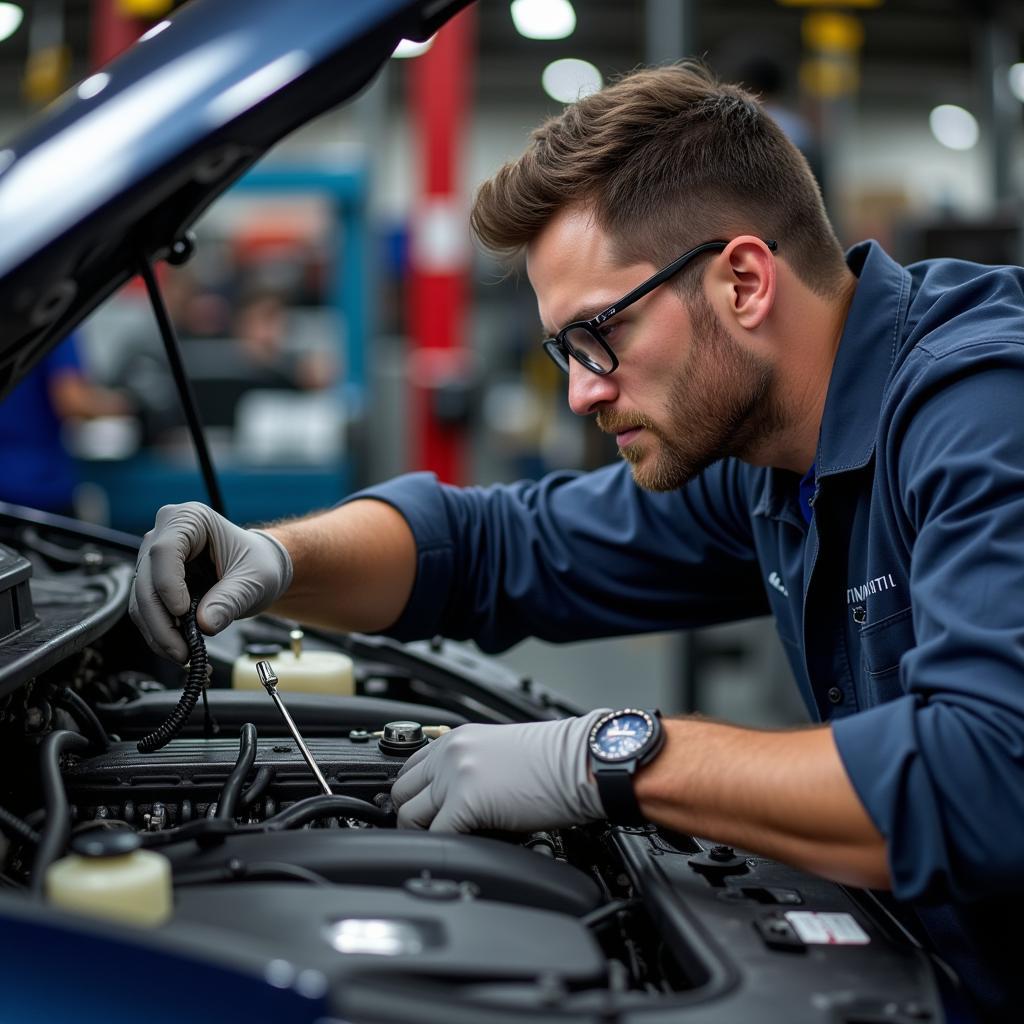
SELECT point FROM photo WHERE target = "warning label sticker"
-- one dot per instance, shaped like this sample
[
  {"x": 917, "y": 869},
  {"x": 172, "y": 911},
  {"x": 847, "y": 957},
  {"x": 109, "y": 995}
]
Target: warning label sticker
[{"x": 827, "y": 929}]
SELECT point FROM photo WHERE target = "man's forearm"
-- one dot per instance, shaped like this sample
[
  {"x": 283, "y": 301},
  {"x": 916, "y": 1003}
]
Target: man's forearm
[
  {"x": 354, "y": 567},
  {"x": 785, "y": 795}
]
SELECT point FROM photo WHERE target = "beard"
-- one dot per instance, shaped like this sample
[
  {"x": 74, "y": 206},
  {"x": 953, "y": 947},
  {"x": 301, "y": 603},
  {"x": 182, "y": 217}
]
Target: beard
[{"x": 721, "y": 403}]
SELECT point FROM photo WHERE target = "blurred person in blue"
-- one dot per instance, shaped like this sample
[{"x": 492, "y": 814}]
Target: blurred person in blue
[
  {"x": 829, "y": 438},
  {"x": 36, "y": 468}
]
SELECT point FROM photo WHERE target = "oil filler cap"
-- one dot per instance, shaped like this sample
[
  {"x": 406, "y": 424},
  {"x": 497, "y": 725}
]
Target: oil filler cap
[
  {"x": 400, "y": 739},
  {"x": 716, "y": 863}
]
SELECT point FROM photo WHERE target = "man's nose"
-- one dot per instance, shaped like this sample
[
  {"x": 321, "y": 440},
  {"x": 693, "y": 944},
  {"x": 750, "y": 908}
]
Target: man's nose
[{"x": 588, "y": 391}]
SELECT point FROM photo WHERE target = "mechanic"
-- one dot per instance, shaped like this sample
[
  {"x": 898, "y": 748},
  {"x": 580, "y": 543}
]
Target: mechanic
[
  {"x": 838, "y": 441},
  {"x": 36, "y": 468}
]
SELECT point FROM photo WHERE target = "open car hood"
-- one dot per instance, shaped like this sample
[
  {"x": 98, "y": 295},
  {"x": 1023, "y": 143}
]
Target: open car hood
[{"x": 117, "y": 169}]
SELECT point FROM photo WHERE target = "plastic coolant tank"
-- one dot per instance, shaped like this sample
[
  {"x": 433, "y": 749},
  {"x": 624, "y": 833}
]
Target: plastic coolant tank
[
  {"x": 110, "y": 877},
  {"x": 296, "y": 669}
]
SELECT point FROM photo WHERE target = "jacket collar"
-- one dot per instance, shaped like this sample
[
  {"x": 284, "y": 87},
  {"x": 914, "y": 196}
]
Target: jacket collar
[{"x": 864, "y": 360}]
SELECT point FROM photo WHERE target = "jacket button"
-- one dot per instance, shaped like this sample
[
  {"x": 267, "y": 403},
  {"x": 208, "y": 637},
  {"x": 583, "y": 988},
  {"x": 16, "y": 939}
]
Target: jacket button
[{"x": 835, "y": 695}]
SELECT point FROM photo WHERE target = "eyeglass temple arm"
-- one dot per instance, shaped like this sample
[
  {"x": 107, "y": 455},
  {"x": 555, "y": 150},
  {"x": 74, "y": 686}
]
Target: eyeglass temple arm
[{"x": 674, "y": 267}]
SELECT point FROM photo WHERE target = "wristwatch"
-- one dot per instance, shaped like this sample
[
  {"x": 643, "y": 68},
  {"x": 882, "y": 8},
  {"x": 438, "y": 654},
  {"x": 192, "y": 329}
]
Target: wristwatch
[{"x": 620, "y": 742}]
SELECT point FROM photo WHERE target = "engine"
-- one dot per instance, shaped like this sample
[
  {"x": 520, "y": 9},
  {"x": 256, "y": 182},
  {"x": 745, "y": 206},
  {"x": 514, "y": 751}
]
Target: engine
[{"x": 290, "y": 892}]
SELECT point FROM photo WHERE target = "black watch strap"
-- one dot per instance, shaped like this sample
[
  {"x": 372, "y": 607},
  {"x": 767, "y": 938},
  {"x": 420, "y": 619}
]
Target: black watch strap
[{"x": 615, "y": 787}]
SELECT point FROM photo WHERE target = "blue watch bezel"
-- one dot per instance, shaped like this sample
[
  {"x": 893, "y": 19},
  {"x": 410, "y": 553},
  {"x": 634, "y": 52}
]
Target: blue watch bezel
[{"x": 650, "y": 746}]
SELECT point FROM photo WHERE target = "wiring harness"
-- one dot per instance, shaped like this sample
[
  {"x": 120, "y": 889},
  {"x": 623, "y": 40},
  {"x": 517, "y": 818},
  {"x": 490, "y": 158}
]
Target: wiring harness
[{"x": 195, "y": 685}]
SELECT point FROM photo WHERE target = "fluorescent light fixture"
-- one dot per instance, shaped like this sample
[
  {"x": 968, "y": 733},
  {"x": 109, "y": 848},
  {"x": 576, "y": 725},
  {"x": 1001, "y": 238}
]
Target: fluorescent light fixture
[
  {"x": 544, "y": 19},
  {"x": 408, "y": 48},
  {"x": 1016, "y": 76},
  {"x": 953, "y": 126},
  {"x": 10, "y": 18},
  {"x": 569, "y": 79}
]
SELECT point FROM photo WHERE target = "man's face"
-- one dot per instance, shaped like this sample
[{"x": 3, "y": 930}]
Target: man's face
[{"x": 686, "y": 393}]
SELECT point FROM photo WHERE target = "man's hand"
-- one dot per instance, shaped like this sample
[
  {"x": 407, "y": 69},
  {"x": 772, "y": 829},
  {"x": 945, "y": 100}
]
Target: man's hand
[
  {"x": 517, "y": 778},
  {"x": 253, "y": 570}
]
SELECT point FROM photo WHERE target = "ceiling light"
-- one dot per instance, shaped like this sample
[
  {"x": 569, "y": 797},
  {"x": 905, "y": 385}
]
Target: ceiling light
[
  {"x": 953, "y": 126},
  {"x": 409, "y": 48},
  {"x": 1016, "y": 76},
  {"x": 570, "y": 79},
  {"x": 544, "y": 19},
  {"x": 10, "y": 19}
]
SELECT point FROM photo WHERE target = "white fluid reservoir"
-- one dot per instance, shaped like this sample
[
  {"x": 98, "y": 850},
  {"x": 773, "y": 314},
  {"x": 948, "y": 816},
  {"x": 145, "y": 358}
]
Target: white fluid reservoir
[
  {"x": 109, "y": 876},
  {"x": 297, "y": 670}
]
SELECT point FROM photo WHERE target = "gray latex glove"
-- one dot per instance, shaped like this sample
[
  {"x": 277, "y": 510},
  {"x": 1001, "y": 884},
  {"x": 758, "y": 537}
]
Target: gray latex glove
[
  {"x": 517, "y": 778},
  {"x": 253, "y": 570}
]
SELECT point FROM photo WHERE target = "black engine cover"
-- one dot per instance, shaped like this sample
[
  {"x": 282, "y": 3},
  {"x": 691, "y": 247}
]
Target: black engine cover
[
  {"x": 384, "y": 857},
  {"x": 195, "y": 770},
  {"x": 345, "y": 931}
]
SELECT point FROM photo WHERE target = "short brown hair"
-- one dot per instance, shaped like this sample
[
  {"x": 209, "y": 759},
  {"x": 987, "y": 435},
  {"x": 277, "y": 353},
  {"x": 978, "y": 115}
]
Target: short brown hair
[{"x": 666, "y": 158}]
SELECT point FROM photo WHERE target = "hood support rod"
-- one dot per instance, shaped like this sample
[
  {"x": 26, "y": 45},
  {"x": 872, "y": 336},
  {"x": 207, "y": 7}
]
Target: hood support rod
[{"x": 181, "y": 381}]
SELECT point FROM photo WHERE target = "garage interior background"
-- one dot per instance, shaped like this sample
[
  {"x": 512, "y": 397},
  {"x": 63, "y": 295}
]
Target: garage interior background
[{"x": 340, "y": 327}]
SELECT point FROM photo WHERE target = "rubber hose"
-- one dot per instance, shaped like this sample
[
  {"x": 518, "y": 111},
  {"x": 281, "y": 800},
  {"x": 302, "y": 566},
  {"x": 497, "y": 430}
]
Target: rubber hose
[
  {"x": 57, "y": 829},
  {"x": 198, "y": 661},
  {"x": 212, "y": 829},
  {"x": 313, "y": 807},
  {"x": 264, "y": 777},
  {"x": 300, "y": 813},
  {"x": 14, "y": 828},
  {"x": 85, "y": 717},
  {"x": 227, "y": 802}
]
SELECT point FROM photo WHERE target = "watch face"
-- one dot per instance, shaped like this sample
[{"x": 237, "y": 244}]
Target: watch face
[{"x": 622, "y": 736}]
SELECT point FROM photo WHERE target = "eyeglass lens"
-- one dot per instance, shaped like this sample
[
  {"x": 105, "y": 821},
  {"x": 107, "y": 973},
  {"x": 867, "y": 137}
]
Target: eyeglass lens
[
  {"x": 558, "y": 354},
  {"x": 587, "y": 348},
  {"x": 579, "y": 342}
]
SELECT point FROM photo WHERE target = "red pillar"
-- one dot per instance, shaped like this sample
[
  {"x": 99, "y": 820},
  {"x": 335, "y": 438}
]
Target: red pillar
[
  {"x": 439, "y": 90},
  {"x": 112, "y": 31}
]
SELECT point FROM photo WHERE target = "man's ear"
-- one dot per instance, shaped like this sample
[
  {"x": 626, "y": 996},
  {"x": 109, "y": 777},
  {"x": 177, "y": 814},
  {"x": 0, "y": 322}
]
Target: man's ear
[{"x": 744, "y": 276}]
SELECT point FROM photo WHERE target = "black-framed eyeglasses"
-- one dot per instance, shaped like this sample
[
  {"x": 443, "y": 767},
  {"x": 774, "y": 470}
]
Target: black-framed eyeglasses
[{"x": 582, "y": 338}]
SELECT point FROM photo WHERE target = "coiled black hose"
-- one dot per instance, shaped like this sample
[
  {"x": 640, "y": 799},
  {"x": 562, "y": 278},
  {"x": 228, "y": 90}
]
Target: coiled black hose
[
  {"x": 227, "y": 802},
  {"x": 194, "y": 685},
  {"x": 57, "y": 829},
  {"x": 14, "y": 828}
]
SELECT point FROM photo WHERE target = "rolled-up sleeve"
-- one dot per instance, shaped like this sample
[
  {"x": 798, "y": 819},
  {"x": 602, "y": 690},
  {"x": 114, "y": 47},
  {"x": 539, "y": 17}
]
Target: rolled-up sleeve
[
  {"x": 574, "y": 556},
  {"x": 941, "y": 769}
]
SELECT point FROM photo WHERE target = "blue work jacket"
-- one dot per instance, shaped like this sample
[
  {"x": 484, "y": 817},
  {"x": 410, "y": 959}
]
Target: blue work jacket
[{"x": 900, "y": 605}]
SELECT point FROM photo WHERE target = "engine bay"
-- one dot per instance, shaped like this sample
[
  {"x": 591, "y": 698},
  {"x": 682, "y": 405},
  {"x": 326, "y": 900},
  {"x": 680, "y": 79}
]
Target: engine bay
[{"x": 288, "y": 891}]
